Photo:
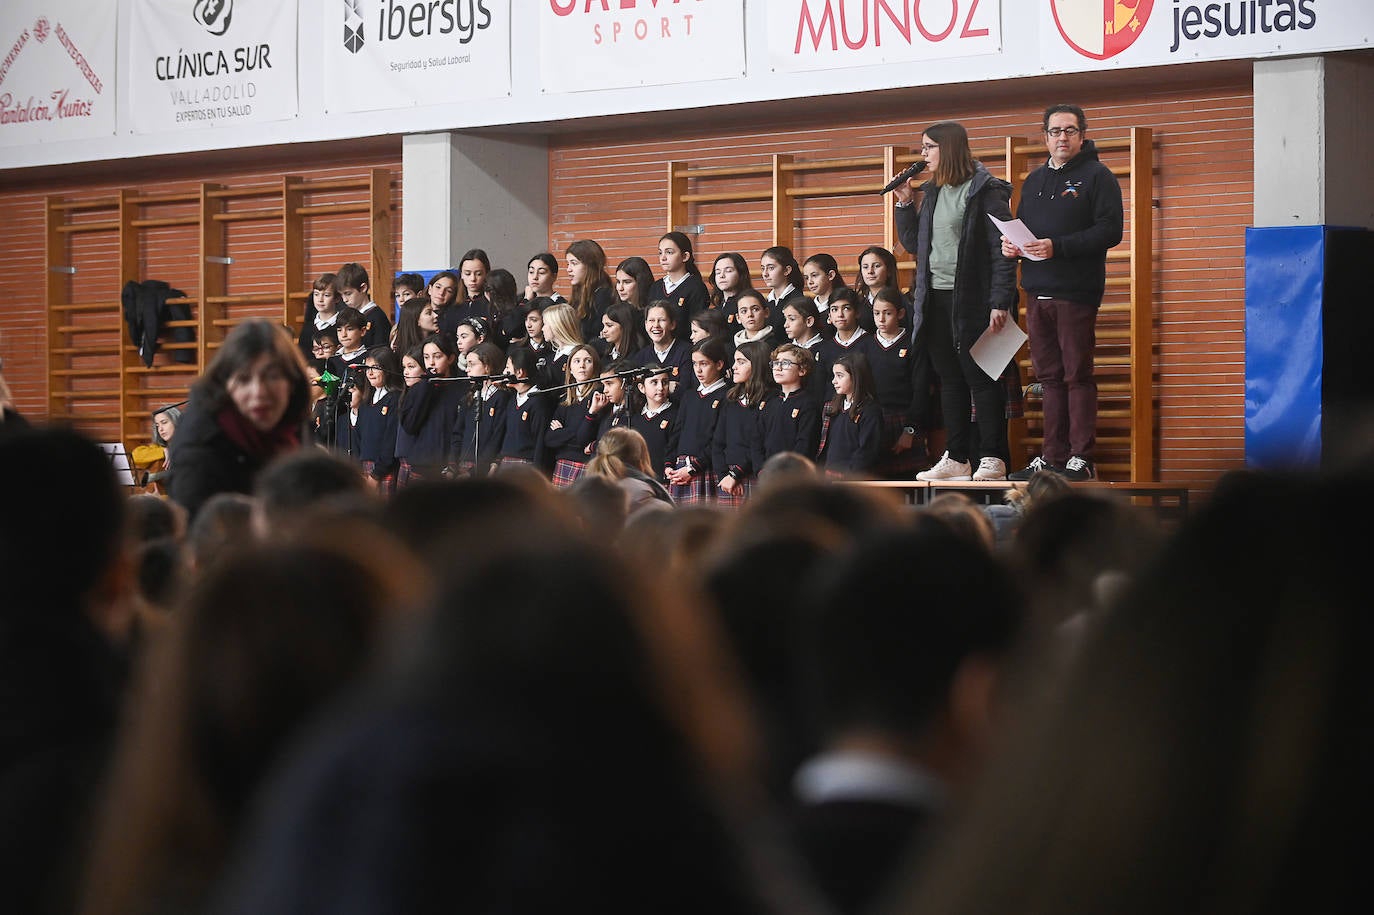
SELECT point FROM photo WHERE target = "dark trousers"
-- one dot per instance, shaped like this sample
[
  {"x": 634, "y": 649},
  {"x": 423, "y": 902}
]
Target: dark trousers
[
  {"x": 963, "y": 383},
  {"x": 1063, "y": 336}
]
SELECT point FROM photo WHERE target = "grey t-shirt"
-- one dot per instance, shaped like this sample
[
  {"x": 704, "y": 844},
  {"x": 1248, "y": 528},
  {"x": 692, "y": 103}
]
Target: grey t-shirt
[{"x": 946, "y": 225}]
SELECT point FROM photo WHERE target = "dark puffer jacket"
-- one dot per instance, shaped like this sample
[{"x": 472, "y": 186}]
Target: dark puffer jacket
[{"x": 985, "y": 279}]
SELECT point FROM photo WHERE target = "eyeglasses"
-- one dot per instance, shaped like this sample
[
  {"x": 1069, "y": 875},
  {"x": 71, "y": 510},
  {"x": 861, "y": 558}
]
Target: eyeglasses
[
  {"x": 1063, "y": 131},
  {"x": 783, "y": 364},
  {"x": 372, "y": 368},
  {"x": 927, "y": 147}
]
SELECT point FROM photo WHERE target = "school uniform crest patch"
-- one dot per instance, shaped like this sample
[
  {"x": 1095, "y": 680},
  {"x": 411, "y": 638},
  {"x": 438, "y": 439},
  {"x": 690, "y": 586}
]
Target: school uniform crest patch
[
  {"x": 663, "y": 425},
  {"x": 796, "y": 413},
  {"x": 384, "y": 409}
]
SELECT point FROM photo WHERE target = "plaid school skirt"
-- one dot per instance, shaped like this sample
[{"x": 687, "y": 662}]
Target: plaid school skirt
[
  {"x": 701, "y": 491},
  {"x": 741, "y": 494},
  {"x": 898, "y": 466},
  {"x": 566, "y": 473},
  {"x": 409, "y": 473},
  {"x": 386, "y": 485}
]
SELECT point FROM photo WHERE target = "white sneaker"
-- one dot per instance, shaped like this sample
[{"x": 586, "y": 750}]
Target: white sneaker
[
  {"x": 945, "y": 469},
  {"x": 990, "y": 469}
]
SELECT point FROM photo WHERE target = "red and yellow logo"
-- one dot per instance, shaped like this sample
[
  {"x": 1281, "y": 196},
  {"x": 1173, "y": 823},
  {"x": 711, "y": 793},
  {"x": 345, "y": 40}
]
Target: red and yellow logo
[{"x": 1101, "y": 28}]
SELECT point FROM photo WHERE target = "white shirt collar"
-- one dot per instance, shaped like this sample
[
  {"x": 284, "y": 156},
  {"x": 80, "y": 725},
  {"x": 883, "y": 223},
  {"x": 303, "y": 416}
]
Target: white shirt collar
[{"x": 867, "y": 776}]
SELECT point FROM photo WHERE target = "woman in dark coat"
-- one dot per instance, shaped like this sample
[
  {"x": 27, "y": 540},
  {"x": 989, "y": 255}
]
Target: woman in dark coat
[
  {"x": 248, "y": 407},
  {"x": 963, "y": 288}
]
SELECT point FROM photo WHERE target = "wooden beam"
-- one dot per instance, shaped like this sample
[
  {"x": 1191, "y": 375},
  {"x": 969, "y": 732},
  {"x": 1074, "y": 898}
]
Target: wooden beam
[{"x": 1142, "y": 306}]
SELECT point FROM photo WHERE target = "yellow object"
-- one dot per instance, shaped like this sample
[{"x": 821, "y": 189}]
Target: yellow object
[{"x": 145, "y": 455}]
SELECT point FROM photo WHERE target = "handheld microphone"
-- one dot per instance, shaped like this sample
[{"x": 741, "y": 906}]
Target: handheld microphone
[{"x": 905, "y": 175}]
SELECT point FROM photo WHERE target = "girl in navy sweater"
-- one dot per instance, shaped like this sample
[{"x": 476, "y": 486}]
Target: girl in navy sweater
[
  {"x": 665, "y": 349},
  {"x": 616, "y": 400},
  {"x": 633, "y": 279},
  {"x": 821, "y": 273},
  {"x": 901, "y": 380},
  {"x": 378, "y": 418},
  {"x": 572, "y": 430},
  {"x": 481, "y": 423},
  {"x": 730, "y": 277},
  {"x": 527, "y": 414},
  {"x": 429, "y": 408},
  {"x": 658, "y": 421},
  {"x": 853, "y": 441},
  {"x": 738, "y": 444},
  {"x": 681, "y": 283},
  {"x": 689, "y": 473},
  {"x": 592, "y": 290},
  {"x": 791, "y": 418}
]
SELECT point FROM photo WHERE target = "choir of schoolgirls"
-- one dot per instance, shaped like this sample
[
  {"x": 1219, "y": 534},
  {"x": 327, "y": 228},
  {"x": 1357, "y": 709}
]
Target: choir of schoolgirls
[{"x": 715, "y": 376}]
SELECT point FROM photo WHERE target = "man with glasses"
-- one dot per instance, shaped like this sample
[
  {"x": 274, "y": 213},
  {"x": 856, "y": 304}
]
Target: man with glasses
[{"x": 1072, "y": 204}]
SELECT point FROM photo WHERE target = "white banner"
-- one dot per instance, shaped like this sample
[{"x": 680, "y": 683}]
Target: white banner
[
  {"x": 211, "y": 63},
  {"x": 611, "y": 45},
  {"x": 401, "y": 53},
  {"x": 826, "y": 34},
  {"x": 57, "y": 70},
  {"x": 1104, "y": 34}
]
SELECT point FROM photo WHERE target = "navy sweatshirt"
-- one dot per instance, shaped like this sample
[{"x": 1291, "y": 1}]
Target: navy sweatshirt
[
  {"x": 1078, "y": 208},
  {"x": 854, "y": 445},
  {"x": 738, "y": 444},
  {"x": 526, "y": 426},
  {"x": 579, "y": 428},
  {"x": 791, "y": 422},
  {"x": 479, "y": 438},
  {"x": 376, "y": 432},
  {"x": 700, "y": 415},
  {"x": 690, "y": 296},
  {"x": 661, "y": 432},
  {"x": 428, "y": 412}
]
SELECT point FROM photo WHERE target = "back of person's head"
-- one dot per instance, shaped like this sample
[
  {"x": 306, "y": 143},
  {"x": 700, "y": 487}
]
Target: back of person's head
[
  {"x": 1065, "y": 545},
  {"x": 75, "y": 526},
  {"x": 787, "y": 467},
  {"x": 223, "y": 525},
  {"x": 964, "y": 518},
  {"x": 889, "y": 626},
  {"x": 501, "y": 289},
  {"x": 600, "y": 505},
  {"x": 154, "y": 518},
  {"x": 291, "y": 484},
  {"x": 263, "y": 642},
  {"x": 579, "y": 722},
  {"x": 851, "y": 509},
  {"x": 424, "y": 515},
  {"x": 162, "y": 572},
  {"x": 1208, "y": 750},
  {"x": 756, "y": 579},
  {"x": 617, "y": 452}
]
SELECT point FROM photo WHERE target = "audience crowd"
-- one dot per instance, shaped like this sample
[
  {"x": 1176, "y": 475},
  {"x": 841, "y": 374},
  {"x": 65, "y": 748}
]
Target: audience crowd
[{"x": 498, "y": 694}]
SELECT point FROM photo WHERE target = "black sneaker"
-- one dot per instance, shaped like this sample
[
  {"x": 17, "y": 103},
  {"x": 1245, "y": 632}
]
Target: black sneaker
[
  {"x": 1036, "y": 465},
  {"x": 1079, "y": 470}
]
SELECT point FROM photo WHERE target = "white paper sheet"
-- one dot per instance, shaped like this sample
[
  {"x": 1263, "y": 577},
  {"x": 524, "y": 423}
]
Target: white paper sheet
[
  {"x": 1016, "y": 233},
  {"x": 996, "y": 348}
]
